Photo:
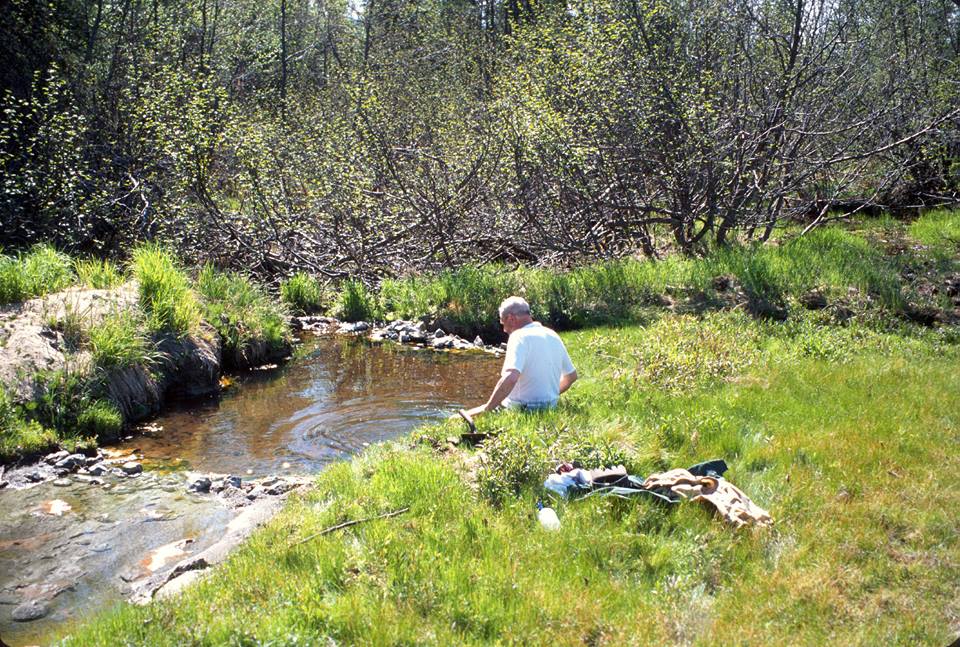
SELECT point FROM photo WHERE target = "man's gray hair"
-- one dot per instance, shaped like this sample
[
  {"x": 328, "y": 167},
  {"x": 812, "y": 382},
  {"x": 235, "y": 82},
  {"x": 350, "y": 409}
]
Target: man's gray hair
[{"x": 514, "y": 306}]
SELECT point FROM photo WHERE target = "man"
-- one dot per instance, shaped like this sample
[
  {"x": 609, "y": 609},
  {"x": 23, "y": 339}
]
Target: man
[{"x": 536, "y": 369}]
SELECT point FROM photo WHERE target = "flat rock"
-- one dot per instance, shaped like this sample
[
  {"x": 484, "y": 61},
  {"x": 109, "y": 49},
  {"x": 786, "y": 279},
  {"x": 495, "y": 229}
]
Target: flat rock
[
  {"x": 131, "y": 467},
  {"x": 31, "y": 610}
]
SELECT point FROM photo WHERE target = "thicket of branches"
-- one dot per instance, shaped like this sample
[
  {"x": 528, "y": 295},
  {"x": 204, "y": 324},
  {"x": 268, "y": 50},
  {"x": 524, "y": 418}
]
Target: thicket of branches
[{"x": 376, "y": 137}]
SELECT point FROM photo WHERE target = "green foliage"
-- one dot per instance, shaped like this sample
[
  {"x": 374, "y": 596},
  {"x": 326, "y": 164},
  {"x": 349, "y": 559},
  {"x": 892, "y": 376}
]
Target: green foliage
[
  {"x": 119, "y": 341},
  {"x": 940, "y": 230},
  {"x": 101, "y": 420},
  {"x": 19, "y": 436},
  {"x": 98, "y": 273},
  {"x": 242, "y": 312},
  {"x": 303, "y": 294},
  {"x": 355, "y": 303},
  {"x": 41, "y": 270},
  {"x": 63, "y": 396},
  {"x": 165, "y": 293}
]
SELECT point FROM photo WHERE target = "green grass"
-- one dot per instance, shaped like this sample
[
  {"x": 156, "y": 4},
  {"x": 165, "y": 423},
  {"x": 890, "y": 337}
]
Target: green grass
[
  {"x": 120, "y": 341},
  {"x": 939, "y": 230},
  {"x": 41, "y": 270},
  {"x": 303, "y": 294},
  {"x": 355, "y": 303},
  {"x": 846, "y": 434},
  {"x": 243, "y": 313},
  {"x": 18, "y": 435},
  {"x": 165, "y": 292},
  {"x": 831, "y": 260},
  {"x": 98, "y": 273}
]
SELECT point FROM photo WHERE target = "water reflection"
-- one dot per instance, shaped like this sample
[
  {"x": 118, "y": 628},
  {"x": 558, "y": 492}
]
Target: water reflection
[{"x": 343, "y": 395}]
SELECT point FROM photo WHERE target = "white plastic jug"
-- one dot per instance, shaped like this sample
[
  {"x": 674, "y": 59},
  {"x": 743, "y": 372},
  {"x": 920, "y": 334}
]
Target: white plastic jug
[{"x": 548, "y": 519}]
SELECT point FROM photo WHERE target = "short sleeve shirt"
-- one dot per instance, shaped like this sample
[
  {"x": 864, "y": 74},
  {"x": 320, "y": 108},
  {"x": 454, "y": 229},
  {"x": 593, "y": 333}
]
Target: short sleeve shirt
[{"x": 541, "y": 358}]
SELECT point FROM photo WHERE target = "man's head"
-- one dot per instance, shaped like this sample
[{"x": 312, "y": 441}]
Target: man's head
[{"x": 514, "y": 314}]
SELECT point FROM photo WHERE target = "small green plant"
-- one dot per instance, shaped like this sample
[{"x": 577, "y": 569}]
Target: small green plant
[
  {"x": 101, "y": 420},
  {"x": 41, "y": 270},
  {"x": 98, "y": 273},
  {"x": 355, "y": 302},
  {"x": 303, "y": 294},
  {"x": 119, "y": 341},
  {"x": 71, "y": 323},
  {"x": 165, "y": 293},
  {"x": 63, "y": 395},
  {"x": 242, "y": 312}
]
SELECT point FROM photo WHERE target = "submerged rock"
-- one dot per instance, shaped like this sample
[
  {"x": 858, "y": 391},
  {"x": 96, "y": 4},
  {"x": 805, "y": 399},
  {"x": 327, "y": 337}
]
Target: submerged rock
[
  {"x": 201, "y": 485},
  {"x": 31, "y": 610},
  {"x": 131, "y": 468}
]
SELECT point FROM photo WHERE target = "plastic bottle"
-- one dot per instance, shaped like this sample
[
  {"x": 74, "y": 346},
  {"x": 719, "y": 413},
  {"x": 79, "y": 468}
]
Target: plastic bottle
[{"x": 548, "y": 517}]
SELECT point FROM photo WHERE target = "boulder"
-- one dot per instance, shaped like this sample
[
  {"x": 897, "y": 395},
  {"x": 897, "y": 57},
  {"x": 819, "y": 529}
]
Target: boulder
[{"x": 131, "y": 468}]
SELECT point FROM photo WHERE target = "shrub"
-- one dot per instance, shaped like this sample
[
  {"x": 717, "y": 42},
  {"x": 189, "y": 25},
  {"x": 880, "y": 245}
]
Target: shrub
[
  {"x": 165, "y": 293},
  {"x": 98, "y": 273},
  {"x": 303, "y": 294}
]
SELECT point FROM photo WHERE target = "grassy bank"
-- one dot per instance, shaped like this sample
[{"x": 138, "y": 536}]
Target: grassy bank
[
  {"x": 73, "y": 409},
  {"x": 880, "y": 265},
  {"x": 846, "y": 433}
]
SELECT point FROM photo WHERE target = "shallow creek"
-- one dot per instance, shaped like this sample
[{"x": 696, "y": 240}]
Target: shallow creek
[{"x": 68, "y": 550}]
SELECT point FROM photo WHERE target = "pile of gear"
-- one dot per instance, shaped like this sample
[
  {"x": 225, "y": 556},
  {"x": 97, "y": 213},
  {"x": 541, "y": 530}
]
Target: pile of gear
[{"x": 703, "y": 482}]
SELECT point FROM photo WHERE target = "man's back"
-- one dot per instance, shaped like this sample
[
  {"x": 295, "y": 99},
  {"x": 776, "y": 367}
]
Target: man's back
[{"x": 541, "y": 358}]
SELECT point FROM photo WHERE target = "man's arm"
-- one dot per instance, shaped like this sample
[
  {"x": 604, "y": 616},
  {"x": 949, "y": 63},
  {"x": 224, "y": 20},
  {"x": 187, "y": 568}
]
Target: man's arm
[
  {"x": 566, "y": 380},
  {"x": 500, "y": 392}
]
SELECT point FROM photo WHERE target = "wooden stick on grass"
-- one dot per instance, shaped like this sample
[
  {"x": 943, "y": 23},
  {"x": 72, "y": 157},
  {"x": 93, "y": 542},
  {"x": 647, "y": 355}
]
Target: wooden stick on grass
[{"x": 347, "y": 524}]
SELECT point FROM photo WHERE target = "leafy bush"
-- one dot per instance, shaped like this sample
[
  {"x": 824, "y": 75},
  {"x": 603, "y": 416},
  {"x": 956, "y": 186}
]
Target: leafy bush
[
  {"x": 98, "y": 273},
  {"x": 41, "y": 270},
  {"x": 165, "y": 293},
  {"x": 242, "y": 312},
  {"x": 303, "y": 294}
]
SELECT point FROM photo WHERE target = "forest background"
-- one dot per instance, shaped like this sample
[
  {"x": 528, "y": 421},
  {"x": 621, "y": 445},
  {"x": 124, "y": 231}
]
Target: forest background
[{"x": 380, "y": 138}]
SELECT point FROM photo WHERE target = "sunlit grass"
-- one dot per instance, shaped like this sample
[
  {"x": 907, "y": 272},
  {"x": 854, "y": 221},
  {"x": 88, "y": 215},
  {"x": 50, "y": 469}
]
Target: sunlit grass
[
  {"x": 120, "y": 341},
  {"x": 940, "y": 230},
  {"x": 242, "y": 312},
  {"x": 165, "y": 293},
  {"x": 98, "y": 273},
  {"x": 41, "y": 270},
  {"x": 847, "y": 440},
  {"x": 303, "y": 294}
]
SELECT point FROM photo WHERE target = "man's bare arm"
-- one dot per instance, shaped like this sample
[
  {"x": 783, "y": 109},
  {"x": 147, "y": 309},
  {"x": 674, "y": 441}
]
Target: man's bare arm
[
  {"x": 500, "y": 392},
  {"x": 566, "y": 380}
]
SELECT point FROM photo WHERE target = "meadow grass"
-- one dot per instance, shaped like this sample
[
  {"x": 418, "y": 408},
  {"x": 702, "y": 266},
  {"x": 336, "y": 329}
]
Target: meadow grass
[
  {"x": 41, "y": 270},
  {"x": 846, "y": 434},
  {"x": 165, "y": 292},
  {"x": 98, "y": 273},
  {"x": 939, "y": 230},
  {"x": 242, "y": 312},
  {"x": 303, "y": 294}
]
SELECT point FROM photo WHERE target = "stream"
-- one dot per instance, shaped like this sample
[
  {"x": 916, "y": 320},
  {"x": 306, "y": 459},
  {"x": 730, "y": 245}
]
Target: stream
[{"x": 70, "y": 548}]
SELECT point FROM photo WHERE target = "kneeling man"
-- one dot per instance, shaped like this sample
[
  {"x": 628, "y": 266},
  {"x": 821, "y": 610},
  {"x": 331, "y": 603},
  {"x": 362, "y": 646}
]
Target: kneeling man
[{"x": 536, "y": 369}]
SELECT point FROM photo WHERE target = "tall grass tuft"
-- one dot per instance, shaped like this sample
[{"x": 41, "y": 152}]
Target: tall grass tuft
[
  {"x": 356, "y": 303},
  {"x": 98, "y": 273},
  {"x": 165, "y": 293},
  {"x": 119, "y": 341},
  {"x": 242, "y": 312},
  {"x": 41, "y": 270},
  {"x": 303, "y": 294}
]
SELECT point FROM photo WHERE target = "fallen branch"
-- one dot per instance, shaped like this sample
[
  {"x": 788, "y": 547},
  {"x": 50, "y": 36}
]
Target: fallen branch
[{"x": 347, "y": 524}]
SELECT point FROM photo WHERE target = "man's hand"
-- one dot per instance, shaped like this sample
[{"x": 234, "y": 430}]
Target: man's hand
[
  {"x": 566, "y": 380},
  {"x": 500, "y": 393}
]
